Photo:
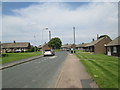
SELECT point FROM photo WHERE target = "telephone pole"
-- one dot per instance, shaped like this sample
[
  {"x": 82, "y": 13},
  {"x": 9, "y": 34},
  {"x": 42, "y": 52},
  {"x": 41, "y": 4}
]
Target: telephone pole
[
  {"x": 74, "y": 34},
  {"x": 49, "y": 35}
]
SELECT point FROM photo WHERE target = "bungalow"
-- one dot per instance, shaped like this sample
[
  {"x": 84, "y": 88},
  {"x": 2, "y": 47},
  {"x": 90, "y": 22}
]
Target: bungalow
[
  {"x": 15, "y": 47},
  {"x": 98, "y": 46},
  {"x": 67, "y": 47},
  {"x": 113, "y": 48},
  {"x": 81, "y": 46},
  {"x": 45, "y": 47}
]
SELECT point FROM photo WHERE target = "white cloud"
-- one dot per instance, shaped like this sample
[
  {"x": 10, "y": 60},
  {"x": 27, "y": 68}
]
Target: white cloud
[{"x": 89, "y": 20}]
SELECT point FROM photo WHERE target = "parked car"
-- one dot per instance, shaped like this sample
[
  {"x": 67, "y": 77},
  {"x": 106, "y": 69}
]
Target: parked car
[
  {"x": 48, "y": 52},
  {"x": 17, "y": 51}
]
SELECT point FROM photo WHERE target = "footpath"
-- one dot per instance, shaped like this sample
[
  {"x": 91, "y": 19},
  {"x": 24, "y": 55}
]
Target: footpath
[
  {"x": 74, "y": 75},
  {"x": 14, "y": 63}
]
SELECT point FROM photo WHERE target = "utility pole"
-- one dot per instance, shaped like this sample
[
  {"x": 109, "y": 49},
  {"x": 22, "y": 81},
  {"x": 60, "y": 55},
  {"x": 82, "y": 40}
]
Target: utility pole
[
  {"x": 49, "y": 35},
  {"x": 74, "y": 34}
]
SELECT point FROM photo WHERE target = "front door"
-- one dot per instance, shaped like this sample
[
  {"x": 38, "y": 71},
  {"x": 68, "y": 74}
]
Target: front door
[{"x": 109, "y": 51}]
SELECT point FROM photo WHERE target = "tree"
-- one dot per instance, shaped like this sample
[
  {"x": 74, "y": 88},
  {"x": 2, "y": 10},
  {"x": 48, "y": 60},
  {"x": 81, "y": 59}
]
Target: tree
[
  {"x": 55, "y": 43},
  {"x": 33, "y": 49}
]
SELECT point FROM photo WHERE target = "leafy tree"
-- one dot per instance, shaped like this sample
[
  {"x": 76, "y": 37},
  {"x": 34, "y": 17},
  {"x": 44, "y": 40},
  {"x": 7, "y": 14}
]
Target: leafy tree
[{"x": 55, "y": 43}]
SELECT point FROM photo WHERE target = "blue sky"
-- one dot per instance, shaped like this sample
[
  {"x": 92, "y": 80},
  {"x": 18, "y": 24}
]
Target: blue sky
[
  {"x": 25, "y": 21},
  {"x": 9, "y": 6}
]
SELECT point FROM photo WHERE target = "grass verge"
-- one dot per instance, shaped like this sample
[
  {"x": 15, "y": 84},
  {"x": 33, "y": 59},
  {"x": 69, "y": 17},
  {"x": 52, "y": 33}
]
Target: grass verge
[
  {"x": 18, "y": 56},
  {"x": 102, "y": 68}
]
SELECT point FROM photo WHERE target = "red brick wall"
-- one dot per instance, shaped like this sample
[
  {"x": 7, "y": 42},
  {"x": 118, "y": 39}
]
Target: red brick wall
[{"x": 100, "y": 48}]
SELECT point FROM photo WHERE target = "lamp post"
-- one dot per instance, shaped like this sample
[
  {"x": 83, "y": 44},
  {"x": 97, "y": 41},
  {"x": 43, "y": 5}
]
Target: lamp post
[
  {"x": 42, "y": 33},
  {"x": 74, "y": 34},
  {"x": 49, "y": 33},
  {"x": 74, "y": 39}
]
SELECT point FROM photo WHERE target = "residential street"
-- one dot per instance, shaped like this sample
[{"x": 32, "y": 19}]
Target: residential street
[
  {"x": 59, "y": 44},
  {"x": 39, "y": 73}
]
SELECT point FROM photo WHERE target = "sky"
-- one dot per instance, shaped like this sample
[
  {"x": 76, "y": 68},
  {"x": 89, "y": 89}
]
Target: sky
[{"x": 26, "y": 21}]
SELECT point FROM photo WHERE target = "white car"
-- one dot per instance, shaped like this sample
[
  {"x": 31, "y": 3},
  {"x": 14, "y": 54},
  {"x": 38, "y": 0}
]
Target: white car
[{"x": 48, "y": 53}]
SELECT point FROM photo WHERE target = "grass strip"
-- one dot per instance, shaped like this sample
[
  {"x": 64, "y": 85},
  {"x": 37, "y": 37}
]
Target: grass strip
[
  {"x": 18, "y": 56},
  {"x": 102, "y": 68}
]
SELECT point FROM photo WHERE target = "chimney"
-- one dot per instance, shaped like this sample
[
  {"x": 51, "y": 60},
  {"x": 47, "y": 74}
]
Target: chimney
[
  {"x": 93, "y": 39},
  {"x": 97, "y": 36}
]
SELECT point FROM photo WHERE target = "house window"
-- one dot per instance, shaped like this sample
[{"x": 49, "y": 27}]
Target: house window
[{"x": 114, "y": 49}]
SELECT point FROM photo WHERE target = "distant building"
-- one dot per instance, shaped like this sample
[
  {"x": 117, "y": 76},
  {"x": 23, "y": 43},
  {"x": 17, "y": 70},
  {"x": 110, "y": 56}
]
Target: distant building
[
  {"x": 98, "y": 46},
  {"x": 43, "y": 47},
  {"x": 15, "y": 47},
  {"x": 39, "y": 48},
  {"x": 113, "y": 48},
  {"x": 81, "y": 46},
  {"x": 67, "y": 47}
]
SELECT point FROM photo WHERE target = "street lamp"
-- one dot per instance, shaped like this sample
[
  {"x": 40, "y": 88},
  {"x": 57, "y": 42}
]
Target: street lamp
[
  {"x": 49, "y": 33},
  {"x": 74, "y": 34}
]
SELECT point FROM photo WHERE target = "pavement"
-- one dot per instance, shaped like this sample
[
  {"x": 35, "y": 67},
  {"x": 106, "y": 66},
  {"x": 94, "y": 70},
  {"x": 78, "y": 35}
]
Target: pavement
[
  {"x": 38, "y": 73},
  {"x": 74, "y": 75}
]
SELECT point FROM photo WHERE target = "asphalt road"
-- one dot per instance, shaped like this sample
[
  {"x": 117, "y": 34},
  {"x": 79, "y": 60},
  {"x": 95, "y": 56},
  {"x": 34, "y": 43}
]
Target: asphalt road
[{"x": 39, "y": 73}]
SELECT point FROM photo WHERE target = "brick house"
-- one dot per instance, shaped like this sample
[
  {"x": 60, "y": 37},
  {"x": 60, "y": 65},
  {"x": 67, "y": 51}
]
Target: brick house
[
  {"x": 15, "y": 47},
  {"x": 45, "y": 47},
  {"x": 113, "y": 48},
  {"x": 98, "y": 46}
]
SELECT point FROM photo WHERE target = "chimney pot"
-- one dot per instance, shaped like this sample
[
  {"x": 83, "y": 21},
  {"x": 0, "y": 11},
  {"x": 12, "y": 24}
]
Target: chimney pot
[{"x": 97, "y": 36}]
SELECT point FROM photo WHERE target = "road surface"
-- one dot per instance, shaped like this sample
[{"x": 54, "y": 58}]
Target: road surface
[{"x": 39, "y": 73}]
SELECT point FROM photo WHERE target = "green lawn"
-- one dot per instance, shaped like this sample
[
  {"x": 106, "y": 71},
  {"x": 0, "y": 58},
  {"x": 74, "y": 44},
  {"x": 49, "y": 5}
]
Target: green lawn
[
  {"x": 102, "y": 68},
  {"x": 17, "y": 56}
]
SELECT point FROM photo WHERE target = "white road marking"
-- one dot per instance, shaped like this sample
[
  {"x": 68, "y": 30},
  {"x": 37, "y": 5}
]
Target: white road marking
[{"x": 52, "y": 57}]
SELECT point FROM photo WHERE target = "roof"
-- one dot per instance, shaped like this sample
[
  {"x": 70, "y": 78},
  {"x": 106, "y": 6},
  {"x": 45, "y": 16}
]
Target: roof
[
  {"x": 45, "y": 46},
  {"x": 15, "y": 45},
  {"x": 67, "y": 45},
  {"x": 114, "y": 42},
  {"x": 40, "y": 46},
  {"x": 94, "y": 42},
  {"x": 82, "y": 45}
]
